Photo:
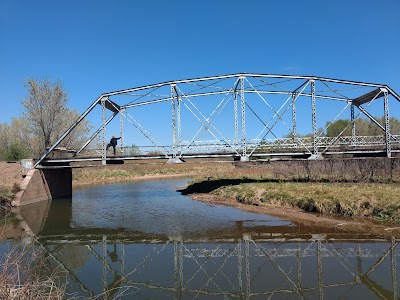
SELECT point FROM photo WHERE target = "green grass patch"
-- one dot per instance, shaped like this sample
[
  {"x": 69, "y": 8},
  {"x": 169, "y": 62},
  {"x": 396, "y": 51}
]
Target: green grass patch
[{"x": 378, "y": 201}]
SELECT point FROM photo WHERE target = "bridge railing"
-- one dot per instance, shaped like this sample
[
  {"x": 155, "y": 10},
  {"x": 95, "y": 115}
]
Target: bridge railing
[
  {"x": 266, "y": 145},
  {"x": 235, "y": 148}
]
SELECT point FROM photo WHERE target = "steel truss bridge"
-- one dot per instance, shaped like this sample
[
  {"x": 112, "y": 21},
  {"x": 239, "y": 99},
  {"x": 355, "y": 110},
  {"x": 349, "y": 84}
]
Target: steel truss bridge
[
  {"x": 239, "y": 115},
  {"x": 246, "y": 268}
]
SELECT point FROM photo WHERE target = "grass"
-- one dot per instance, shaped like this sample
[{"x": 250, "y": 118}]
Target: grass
[
  {"x": 131, "y": 171},
  {"x": 25, "y": 275},
  {"x": 373, "y": 200},
  {"x": 7, "y": 193}
]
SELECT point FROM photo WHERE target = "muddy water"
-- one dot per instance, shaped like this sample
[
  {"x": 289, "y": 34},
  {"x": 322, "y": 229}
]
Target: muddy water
[{"x": 146, "y": 241}]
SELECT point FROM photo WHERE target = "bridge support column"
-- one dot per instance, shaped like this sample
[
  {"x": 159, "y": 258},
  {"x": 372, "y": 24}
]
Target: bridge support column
[
  {"x": 244, "y": 156},
  {"x": 121, "y": 129},
  {"x": 176, "y": 121},
  {"x": 294, "y": 118},
  {"x": 387, "y": 127},
  {"x": 236, "y": 119},
  {"x": 176, "y": 126},
  {"x": 315, "y": 154},
  {"x": 353, "y": 125},
  {"x": 314, "y": 118}
]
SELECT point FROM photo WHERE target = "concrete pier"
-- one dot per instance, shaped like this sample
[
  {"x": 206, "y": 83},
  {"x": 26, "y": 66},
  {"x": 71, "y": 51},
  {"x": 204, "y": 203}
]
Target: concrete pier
[{"x": 44, "y": 184}]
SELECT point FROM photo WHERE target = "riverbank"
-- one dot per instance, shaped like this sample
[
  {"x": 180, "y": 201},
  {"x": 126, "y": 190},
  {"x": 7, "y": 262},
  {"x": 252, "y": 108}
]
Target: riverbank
[
  {"x": 352, "y": 225},
  {"x": 354, "y": 207},
  {"x": 133, "y": 172},
  {"x": 10, "y": 179}
]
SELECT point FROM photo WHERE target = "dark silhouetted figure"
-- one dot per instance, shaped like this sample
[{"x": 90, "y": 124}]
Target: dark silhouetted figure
[{"x": 112, "y": 143}]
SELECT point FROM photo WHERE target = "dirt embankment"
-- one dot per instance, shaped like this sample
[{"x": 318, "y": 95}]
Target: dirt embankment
[
  {"x": 10, "y": 173},
  {"x": 10, "y": 178}
]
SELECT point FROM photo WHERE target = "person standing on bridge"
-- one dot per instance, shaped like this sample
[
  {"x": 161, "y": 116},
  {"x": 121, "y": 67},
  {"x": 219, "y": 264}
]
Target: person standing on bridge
[{"x": 112, "y": 143}]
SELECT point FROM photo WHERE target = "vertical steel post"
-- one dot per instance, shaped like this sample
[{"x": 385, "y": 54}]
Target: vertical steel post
[
  {"x": 243, "y": 110},
  {"x": 314, "y": 117},
  {"x": 178, "y": 122},
  {"x": 121, "y": 129},
  {"x": 236, "y": 119},
  {"x": 294, "y": 124},
  {"x": 353, "y": 125},
  {"x": 173, "y": 121},
  {"x": 104, "y": 121},
  {"x": 387, "y": 127}
]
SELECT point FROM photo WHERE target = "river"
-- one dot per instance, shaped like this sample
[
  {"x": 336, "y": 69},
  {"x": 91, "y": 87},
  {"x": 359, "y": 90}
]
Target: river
[{"x": 144, "y": 240}]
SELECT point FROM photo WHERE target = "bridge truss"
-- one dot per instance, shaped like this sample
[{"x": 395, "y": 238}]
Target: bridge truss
[{"x": 239, "y": 115}]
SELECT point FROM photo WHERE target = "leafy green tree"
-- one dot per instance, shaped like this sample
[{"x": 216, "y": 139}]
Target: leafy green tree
[
  {"x": 335, "y": 128},
  {"x": 364, "y": 127},
  {"x": 12, "y": 146},
  {"x": 16, "y": 151}
]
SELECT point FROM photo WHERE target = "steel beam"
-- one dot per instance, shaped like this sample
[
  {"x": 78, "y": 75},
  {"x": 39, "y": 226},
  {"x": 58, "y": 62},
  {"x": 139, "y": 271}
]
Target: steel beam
[
  {"x": 353, "y": 124},
  {"x": 314, "y": 117},
  {"x": 236, "y": 119},
  {"x": 121, "y": 129},
  {"x": 104, "y": 121},
  {"x": 173, "y": 113},
  {"x": 294, "y": 125},
  {"x": 387, "y": 125},
  {"x": 244, "y": 156},
  {"x": 227, "y": 91},
  {"x": 167, "y": 83}
]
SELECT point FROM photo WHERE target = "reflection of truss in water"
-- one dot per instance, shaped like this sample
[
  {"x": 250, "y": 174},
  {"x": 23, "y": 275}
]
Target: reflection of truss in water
[{"x": 244, "y": 269}]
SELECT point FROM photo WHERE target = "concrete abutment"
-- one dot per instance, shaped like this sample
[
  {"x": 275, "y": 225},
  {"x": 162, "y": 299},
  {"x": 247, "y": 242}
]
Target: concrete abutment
[{"x": 44, "y": 184}]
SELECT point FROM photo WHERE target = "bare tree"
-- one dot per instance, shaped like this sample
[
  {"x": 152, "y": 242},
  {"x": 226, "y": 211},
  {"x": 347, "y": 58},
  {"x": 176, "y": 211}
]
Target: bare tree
[{"x": 46, "y": 117}]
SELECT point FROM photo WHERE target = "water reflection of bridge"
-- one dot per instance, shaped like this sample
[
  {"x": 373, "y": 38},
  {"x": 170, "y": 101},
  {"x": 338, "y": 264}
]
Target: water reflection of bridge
[
  {"x": 246, "y": 268},
  {"x": 230, "y": 262}
]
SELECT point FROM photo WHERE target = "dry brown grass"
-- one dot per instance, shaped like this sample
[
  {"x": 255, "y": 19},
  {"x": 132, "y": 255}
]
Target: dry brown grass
[
  {"x": 346, "y": 187},
  {"x": 128, "y": 172},
  {"x": 24, "y": 275},
  {"x": 373, "y": 200}
]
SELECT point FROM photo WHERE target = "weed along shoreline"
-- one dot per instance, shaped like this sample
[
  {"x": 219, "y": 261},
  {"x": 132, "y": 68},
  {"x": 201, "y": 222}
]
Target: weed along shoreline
[
  {"x": 357, "y": 195},
  {"x": 304, "y": 206}
]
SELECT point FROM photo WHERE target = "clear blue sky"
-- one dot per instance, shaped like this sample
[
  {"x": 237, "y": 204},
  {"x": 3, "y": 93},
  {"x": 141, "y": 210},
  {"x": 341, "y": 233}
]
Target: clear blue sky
[{"x": 99, "y": 46}]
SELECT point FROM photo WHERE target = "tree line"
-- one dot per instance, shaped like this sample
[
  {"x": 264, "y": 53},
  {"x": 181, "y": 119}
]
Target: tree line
[
  {"x": 45, "y": 117},
  {"x": 363, "y": 127}
]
